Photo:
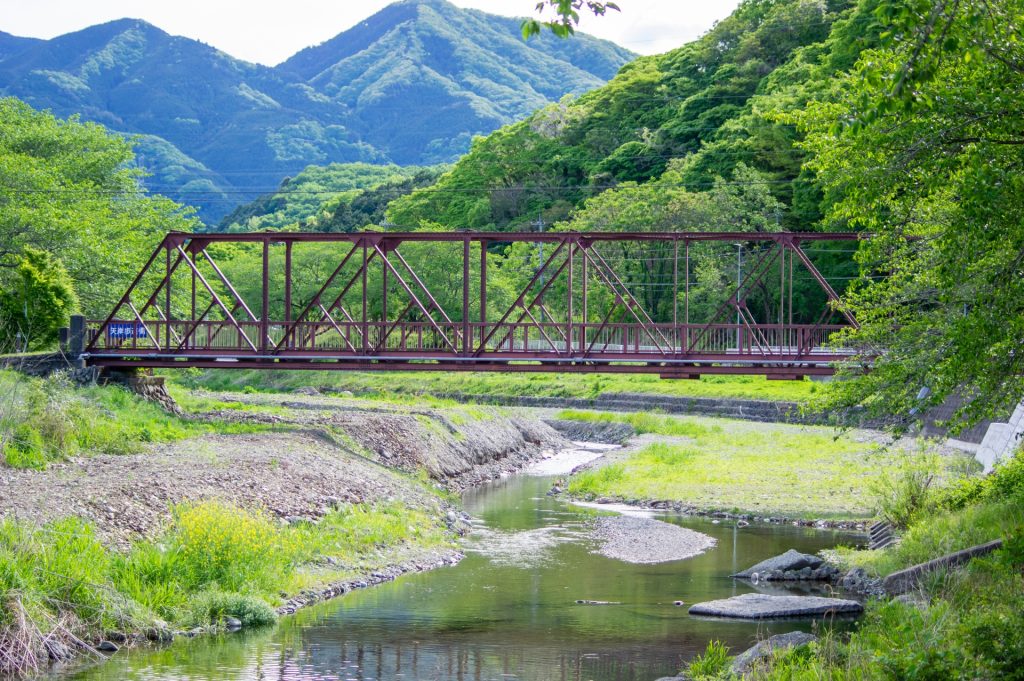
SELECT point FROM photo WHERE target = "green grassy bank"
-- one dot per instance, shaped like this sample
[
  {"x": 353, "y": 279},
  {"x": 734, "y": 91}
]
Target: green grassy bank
[
  {"x": 506, "y": 383},
  {"x": 757, "y": 468},
  {"x": 43, "y": 420},
  {"x": 960, "y": 624},
  {"x": 214, "y": 560}
]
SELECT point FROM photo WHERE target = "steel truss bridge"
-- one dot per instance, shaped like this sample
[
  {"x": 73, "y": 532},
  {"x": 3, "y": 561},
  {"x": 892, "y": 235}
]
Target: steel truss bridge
[{"x": 358, "y": 302}]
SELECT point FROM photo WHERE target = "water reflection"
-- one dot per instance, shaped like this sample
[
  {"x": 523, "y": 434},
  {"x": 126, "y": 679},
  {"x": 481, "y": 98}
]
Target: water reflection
[{"x": 508, "y": 611}]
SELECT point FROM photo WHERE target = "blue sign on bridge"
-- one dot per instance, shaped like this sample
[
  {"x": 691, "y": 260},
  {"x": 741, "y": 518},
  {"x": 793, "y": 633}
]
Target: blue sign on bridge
[{"x": 126, "y": 331}]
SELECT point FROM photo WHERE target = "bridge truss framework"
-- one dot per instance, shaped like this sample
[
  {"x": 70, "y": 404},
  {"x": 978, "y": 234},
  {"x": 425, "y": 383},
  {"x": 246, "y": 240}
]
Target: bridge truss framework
[{"x": 370, "y": 308}]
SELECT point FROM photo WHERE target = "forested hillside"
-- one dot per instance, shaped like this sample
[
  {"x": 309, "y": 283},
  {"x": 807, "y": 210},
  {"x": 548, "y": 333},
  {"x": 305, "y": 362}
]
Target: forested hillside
[
  {"x": 309, "y": 200},
  {"x": 707, "y": 112},
  {"x": 412, "y": 84}
]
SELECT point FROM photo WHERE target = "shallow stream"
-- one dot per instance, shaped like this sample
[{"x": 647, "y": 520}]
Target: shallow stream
[{"x": 508, "y": 611}]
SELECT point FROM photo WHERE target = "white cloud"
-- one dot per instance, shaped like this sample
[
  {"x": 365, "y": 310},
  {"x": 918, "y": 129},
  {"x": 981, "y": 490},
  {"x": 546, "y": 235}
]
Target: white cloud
[{"x": 268, "y": 32}]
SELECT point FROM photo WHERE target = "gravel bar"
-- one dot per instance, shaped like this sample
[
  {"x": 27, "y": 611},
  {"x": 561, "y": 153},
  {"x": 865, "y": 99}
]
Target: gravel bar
[{"x": 645, "y": 540}]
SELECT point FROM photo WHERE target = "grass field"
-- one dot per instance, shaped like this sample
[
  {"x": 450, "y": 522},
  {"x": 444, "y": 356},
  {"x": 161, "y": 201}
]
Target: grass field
[
  {"x": 758, "y": 468},
  {"x": 507, "y": 383},
  {"x": 43, "y": 420}
]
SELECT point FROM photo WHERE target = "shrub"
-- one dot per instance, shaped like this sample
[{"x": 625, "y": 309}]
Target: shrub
[
  {"x": 219, "y": 544},
  {"x": 901, "y": 494},
  {"x": 211, "y": 607},
  {"x": 712, "y": 663}
]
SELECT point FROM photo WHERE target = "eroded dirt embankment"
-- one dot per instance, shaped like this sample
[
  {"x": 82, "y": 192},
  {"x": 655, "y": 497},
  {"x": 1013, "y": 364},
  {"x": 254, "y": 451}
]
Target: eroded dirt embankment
[{"x": 322, "y": 452}]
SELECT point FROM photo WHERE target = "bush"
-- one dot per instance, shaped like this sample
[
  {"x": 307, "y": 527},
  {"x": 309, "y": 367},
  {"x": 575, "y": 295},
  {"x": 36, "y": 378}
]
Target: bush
[
  {"x": 712, "y": 663},
  {"x": 211, "y": 607},
  {"x": 903, "y": 493},
  {"x": 219, "y": 544}
]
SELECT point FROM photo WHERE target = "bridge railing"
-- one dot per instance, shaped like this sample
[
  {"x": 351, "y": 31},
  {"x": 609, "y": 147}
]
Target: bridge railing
[{"x": 540, "y": 340}]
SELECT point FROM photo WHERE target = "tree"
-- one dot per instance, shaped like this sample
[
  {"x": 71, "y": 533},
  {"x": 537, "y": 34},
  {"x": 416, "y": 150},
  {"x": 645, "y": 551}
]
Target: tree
[
  {"x": 35, "y": 303},
  {"x": 66, "y": 187},
  {"x": 567, "y": 16},
  {"x": 922, "y": 147}
]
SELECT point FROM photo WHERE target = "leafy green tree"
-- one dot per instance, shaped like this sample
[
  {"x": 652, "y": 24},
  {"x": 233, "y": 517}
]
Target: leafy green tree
[
  {"x": 921, "y": 146},
  {"x": 66, "y": 188},
  {"x": 567, "y": 16},
  {"x": 35, "y": 302}
]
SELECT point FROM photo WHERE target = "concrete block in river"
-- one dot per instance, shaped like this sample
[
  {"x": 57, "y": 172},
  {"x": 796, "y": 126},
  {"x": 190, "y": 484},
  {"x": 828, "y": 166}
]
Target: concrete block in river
[{"x": 763, "y": 606}]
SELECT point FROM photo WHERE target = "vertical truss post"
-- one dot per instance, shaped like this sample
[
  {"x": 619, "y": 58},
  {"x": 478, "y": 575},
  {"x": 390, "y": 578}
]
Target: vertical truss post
[
  {"x": 675, "y": 294},
  {"x": 483, "y": 290},
  {"x": 568, "y": 316},
  {"x": 467, "y": 341},
  {"x": 265, "y": 307},
  {"x": 365, "y": 320},
  {"x": 584, "y": 311},
  {"x": 191, "y": 259},
  {"x": 384, "y": 290},
  {"x": 167, "y": 305},
  {"x": 287, "y": 281}
]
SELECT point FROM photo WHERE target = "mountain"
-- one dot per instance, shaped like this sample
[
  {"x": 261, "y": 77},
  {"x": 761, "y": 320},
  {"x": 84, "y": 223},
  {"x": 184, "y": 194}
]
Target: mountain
[
  {"x": 705, "y": 111},
  {"x": 412, "y": 84},
  {"x": 463, "y": 72}
]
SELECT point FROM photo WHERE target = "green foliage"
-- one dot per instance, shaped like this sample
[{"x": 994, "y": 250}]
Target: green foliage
[
  {"x": 61, "y": 566},
  {"x": 567, "y": 16},
  {"x": 68, "y": 191},
  {"x": 389, "y": 384},
  {"x": 646, "y": 422},
  {"x": 43, "y": 420},
  {"x": 713, "y": 662},
  {"x": 919, "y": 144},
  {"x": 214, "y": 560},
  {"x": 36, "y": 303},
  {"x": 311, "y": 199},
  {"x": 212, "y": 607},
  {"x": 902, "y": 492},
  {"x": 968, "y": 626},
  {"x": 710, "y": 102},
  {"x": 217, "y": 544}
]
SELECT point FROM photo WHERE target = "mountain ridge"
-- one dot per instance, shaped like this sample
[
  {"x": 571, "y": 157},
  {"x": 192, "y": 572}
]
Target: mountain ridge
[{"x": 233, "y": 128}]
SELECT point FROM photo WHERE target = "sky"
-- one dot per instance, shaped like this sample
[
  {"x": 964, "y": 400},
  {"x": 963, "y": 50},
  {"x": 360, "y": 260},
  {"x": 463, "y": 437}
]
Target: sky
[{"x": 268, "y": 32}]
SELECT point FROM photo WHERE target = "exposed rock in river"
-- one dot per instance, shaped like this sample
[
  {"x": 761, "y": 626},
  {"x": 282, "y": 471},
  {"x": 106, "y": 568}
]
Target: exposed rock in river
[
  {"x": 762, "y": 606},
  {"x": 790, "y": 561},
  {"x": 756, "y": 656}
]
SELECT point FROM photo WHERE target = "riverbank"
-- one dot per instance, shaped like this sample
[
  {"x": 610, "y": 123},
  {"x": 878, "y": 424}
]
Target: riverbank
[
  {"x": 256, "y": 503},
  {"x": 744, "y": 471},
  {"x": 957, "y": 622}
]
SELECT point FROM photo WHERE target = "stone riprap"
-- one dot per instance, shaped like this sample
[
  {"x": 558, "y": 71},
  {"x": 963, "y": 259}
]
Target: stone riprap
[
  {"x": 763, "y": 606},
  {"x": 792, "y": 565},
  {"x": 758, "y": 655}
]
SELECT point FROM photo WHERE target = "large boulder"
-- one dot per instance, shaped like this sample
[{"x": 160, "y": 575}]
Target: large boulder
[
  {"x": 757, "y": 656},
  {"x": 790, "y": 561},
  {"x": 763, "y": 606}
]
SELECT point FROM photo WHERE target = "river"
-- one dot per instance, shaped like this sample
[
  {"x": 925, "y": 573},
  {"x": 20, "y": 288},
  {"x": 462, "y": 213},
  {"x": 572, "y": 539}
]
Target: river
[{"x": 508, "y": 611}]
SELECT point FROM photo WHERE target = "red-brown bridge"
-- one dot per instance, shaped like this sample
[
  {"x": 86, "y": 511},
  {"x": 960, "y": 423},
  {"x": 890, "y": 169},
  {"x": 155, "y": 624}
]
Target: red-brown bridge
[{"x": 597, "y": 302}]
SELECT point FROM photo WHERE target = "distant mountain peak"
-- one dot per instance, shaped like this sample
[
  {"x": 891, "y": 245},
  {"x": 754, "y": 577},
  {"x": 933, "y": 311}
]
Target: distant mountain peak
[{"x": 411, "y": 84}]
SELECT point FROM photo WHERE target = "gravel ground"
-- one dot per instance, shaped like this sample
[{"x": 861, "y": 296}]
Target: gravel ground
[
  {"x": 645, "y": 540},
  {"x": 300, "y": 471}
]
